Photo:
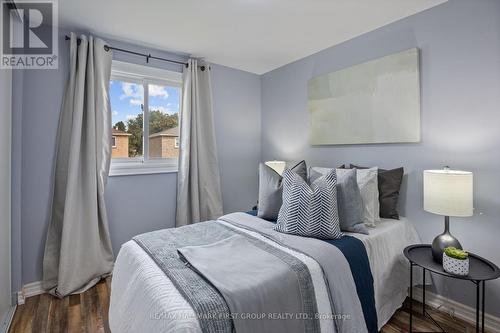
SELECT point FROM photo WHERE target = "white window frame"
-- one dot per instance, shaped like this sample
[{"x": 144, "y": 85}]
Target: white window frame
[
  {"x": 144, "y": 75},
  {"x": 113, "y": 139}
]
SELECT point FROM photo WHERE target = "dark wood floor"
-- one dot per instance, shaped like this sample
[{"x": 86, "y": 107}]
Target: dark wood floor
[
  {"x": 400, "y": 321},
  {"x": 88, "y": 312},
  {"x": 85, "y": 313}
]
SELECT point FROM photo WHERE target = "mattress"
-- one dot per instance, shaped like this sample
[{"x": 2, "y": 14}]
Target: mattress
[{"x": 143, "y": 299}]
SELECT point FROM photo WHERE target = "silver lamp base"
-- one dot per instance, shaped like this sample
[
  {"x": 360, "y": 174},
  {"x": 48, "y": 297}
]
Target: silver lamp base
[{"x": 443, "y": 241}]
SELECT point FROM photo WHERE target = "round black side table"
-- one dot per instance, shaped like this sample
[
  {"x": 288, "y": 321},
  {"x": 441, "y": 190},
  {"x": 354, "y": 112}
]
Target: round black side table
[{"x": 480, "y": 271}]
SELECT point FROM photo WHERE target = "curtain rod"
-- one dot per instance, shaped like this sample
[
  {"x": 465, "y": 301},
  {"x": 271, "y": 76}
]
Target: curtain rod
[{"x": 147, "y": 56}]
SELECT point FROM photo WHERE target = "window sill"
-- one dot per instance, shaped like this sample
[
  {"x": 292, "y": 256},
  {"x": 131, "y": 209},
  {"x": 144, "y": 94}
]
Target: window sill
[{"x": 141, "y": 168}]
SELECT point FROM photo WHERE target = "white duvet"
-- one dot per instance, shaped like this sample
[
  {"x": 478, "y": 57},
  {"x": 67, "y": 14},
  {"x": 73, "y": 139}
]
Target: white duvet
[
  {"x": 143, "y": 299},
  {"x": 390, "y": 269}
]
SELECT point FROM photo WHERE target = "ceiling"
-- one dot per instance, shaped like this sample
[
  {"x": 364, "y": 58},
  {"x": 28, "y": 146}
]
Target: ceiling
[{"x": 252, "y": 35}]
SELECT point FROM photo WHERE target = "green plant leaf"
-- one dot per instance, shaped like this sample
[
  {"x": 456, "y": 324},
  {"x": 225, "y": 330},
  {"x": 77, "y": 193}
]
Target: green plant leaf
[{"x": 456, "y": 253}]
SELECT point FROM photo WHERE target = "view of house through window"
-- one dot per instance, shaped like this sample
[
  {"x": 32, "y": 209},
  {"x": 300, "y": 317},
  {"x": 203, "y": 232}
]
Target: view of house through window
[
  {"x": 127, "y": 100},
  {"x": 139, "y": 135},
  {"x": 163, "y": 121}
]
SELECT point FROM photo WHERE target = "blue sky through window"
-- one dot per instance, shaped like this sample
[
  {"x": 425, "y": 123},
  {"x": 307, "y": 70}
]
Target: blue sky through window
[{"x": 126, "y": 99}]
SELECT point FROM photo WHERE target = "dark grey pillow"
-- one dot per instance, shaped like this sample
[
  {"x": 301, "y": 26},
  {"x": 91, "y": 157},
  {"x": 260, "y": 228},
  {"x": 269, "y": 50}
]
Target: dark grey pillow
[
  {"x": 271, "y": 189},
  {"x": 309, "y": 210},
  {"x": 349, "y": 201}
]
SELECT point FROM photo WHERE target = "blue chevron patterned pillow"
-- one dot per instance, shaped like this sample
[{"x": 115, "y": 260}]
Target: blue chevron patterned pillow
[{"x": 309, "y": 210}]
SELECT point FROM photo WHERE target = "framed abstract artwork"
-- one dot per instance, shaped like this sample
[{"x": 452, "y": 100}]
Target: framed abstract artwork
[{"x": 374, "y": 102}]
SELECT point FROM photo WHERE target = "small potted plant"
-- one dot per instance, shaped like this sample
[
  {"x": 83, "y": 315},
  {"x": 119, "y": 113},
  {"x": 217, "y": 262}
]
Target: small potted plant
[{"x": 456, "y": 261}]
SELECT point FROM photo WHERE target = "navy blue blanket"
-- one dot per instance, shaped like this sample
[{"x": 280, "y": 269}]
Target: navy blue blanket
[{"x": 355, "y": 253}]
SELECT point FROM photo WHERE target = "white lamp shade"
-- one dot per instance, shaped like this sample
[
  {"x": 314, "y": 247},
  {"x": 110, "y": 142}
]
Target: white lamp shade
[
  {"x": 278, "y": 166},
  {"x": 448, "y": 192}
]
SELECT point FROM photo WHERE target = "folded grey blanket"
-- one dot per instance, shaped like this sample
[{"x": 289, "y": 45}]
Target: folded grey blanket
[{"x": 259, "y": 283}]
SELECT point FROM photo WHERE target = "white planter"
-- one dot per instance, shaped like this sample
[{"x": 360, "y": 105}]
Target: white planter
[{"x": 455, "y": 266}]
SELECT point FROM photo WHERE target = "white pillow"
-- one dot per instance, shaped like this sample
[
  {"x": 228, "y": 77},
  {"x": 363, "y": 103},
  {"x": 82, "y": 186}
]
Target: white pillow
[{"x": 368, "y": 186}]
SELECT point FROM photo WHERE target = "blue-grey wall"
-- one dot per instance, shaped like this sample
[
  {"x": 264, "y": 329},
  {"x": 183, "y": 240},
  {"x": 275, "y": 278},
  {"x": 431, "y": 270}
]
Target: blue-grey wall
[
  {"x": 236, "y": 97},
  {"x": 460, "y": 85},
  {"x": 136, "y": 204},
  {"x": 140, "y": 203}
]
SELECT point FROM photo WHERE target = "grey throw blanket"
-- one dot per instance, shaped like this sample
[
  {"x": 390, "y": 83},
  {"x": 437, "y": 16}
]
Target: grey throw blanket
[{"x": 266, "y": 289}]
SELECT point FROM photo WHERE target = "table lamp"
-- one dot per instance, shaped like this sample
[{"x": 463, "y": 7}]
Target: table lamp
[
  {"x": 278, "y": 166},
  {"x": 449, "y": 193}
]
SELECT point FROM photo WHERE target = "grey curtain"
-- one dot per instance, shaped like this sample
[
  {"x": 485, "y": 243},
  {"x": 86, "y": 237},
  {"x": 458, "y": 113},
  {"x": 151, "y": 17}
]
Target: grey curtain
[
  {"x": 78, "y": 248},
  {"x": 198, "y": 193}
]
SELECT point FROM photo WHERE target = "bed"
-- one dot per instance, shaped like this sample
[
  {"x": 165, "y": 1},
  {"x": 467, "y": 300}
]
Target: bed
[{"x": 147, "y": 297}]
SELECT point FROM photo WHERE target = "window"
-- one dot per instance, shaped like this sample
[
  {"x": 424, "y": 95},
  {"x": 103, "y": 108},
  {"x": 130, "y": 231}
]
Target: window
[
  {"x": 145, "y": 104},
  {"x": 113, "y": 140}
]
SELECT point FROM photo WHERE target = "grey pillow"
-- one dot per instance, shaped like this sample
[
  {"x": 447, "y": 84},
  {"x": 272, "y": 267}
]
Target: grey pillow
[
  {"x": 309, "y": 210},
  {"x": 271, "y": 189},
  {"x": 349, "y": 201}
]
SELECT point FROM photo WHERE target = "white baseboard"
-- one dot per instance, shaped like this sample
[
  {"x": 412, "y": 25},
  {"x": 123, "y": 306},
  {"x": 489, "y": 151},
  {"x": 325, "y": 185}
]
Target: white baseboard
[
  {"x": 456, "y": 309},
  {"x": 29, "y": 290},
  {"x": 20, "y": 298},
  {"x": 6, "y": 319}
]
